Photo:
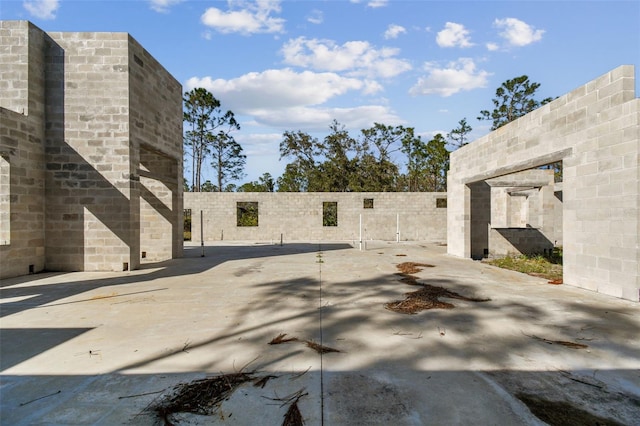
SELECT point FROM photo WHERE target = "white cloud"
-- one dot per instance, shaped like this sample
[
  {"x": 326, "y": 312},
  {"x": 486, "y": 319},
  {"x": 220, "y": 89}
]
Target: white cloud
[
  {"x": 377, "y": 3},
  {"x": 278, "y": 88},
  {"x": 358, "y": 58},
  {"x": 318, "y": 119},
  {"x": 457, "y": 76},
  {"x": 453, "y": 35},
  {"x": 316, "y": 17},
  {"x": 43, "y": 9},
  {"x": 290, "y": 100},
  {"x": 393, "y": 31},
  {"x": 163, "y": 6},
  {"x": 517, "y": 33},
  {"x": 491, "y": 47},
  {"x": 373, "y": 3},
  {"x": 245, "y": 17}
]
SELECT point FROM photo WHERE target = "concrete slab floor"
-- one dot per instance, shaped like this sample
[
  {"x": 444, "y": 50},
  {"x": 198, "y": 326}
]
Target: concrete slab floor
[{"x": 105, "y": 348}]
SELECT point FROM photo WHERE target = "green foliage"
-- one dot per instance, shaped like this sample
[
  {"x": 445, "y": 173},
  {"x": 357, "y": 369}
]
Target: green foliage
[
  {"x": 329, "y": 213},
  {"x": 342, "y": 163},
  {"x": 207, "y": 186},
  {"x": 514, "y": 98},
  {"x": 228, "y": 159},
  {"x": 458, "y": 136},
  {"x": 247, "y": 213},
  {"x": 546, "y": 266},
  {"x": 208, "y": 134},
  {"x": 187, "y": 225},
  {"x": 265, "y": 183}
]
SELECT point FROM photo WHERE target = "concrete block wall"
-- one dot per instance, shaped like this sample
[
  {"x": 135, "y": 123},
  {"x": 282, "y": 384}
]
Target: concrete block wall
[
  {"x": 88, "y": 152},
  {"x": 155, "y": 126},
  {"x": 595, "y": 131},
  {"x": 22, "y": 184},
  {"x": 72, "y": 144},
  {"x": 160, "y": 207},
  {"x": 516, "y": 241},
  {"x": 298, "y": 216}
]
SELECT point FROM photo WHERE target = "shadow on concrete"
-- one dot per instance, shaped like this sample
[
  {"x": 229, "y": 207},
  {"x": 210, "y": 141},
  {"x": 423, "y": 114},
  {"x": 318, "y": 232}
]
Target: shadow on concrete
[
  {"x": 12, "y": 352},
  {"x": 475, "y": 363},
  {"x": 33, "y": 296}
]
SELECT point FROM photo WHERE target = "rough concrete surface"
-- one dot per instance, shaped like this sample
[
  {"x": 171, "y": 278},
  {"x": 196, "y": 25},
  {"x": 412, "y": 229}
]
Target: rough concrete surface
[{"x": 105, "y": 348}]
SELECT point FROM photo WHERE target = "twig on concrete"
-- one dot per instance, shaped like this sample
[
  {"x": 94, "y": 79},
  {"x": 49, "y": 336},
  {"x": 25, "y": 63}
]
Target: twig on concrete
[
  {"x": 140, "y": 394},
  {"x": 568, "y": 375},
  {"x": 571, "y": 345},
  {"x": 405, "y": 335},
  {"x": 300, "y": 374},
  {"x": 38, "y": 399}
]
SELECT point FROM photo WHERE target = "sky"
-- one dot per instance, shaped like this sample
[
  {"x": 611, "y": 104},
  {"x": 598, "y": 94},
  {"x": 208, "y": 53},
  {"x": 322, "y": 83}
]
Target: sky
[{"x": 286, "y": 65}]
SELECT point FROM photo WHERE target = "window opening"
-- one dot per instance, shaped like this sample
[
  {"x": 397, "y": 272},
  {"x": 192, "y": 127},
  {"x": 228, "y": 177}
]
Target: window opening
[
  {"x": 441, "y": 203},
  {"x": 368, "y": 203},
  {"x": 187, "y": 225},
  {"x": 247, "y": 213},
  {"x": 329, "y": 213}
]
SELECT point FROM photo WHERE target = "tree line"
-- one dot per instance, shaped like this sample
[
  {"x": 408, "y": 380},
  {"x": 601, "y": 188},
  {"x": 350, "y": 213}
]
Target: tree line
[{"x": 381, "y": 158}]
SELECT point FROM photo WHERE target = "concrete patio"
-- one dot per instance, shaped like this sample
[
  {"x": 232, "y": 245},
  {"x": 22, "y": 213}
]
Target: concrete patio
[{"x": 104, "y": 348}]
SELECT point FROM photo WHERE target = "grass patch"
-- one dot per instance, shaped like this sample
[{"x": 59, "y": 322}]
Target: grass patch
[{"x": 544, "y": 266}]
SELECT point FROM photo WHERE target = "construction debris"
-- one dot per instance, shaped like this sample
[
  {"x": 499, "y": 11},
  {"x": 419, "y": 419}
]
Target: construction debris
[
  {"x": 279, "y": 339},
  {"x": 293, "y": 417},
  {"x": 571, "y": 345},
  {"x": 199, "y": 396},
  {"x": 261, "y": 382},
  {"x": 321, "y": 349},
  {"x": 427, "y": 297},
  {"x": 412, "y": 267}
]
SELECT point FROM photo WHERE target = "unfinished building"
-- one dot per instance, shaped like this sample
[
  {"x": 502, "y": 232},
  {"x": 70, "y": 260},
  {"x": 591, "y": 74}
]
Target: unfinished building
[
  {"x": 594, "y": 131},
  {"x": 318, "y": 216},
  {"x": 90, "y": 152}
]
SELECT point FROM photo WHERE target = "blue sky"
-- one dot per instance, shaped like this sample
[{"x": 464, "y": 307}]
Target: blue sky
[{"x": 297, "y": 65}]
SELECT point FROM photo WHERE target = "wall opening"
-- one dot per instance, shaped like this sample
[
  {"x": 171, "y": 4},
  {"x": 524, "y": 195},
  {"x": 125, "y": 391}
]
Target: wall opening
[
  {"x": 329, "y": 213},
  {"x": 441, "y": 203},
  {"x": 5, "y": 201},
  {"x": 368, "y": 203},
  {"x": 187, "y": 225},
  {"x": 247, "y": 213}
]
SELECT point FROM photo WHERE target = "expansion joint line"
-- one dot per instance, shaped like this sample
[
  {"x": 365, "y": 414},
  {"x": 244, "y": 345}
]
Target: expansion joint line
[{"x": 320, "y": 262}]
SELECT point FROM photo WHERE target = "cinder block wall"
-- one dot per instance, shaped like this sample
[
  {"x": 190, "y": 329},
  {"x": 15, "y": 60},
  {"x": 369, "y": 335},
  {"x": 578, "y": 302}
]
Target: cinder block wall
[
  {"x": 156, "y": 136},
  {"x": 76, "y": 110},
  {"x": 298, "y": 216},
  {"x": 22, "y": 181},
  {"x": 88, "y": 154},
  {"x": 595, "y": 131}
]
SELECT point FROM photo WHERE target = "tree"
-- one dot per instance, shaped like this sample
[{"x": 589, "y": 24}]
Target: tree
[
  {"x": 265, "y": 183},
  {"x": 207, "y": 186},
  {"x": 228, "y": 159},
  {"x": 437, "y": 164},
  {"x": 458, "y": 136},
  {"x": 514, "y": 98},
  {"x": 206, "y": 122},
  {"x": 415, "y": 150},
  {"x": 293, "y": 179},
  {"x": 386, "y": 139}
]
